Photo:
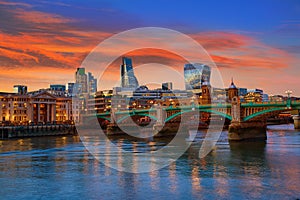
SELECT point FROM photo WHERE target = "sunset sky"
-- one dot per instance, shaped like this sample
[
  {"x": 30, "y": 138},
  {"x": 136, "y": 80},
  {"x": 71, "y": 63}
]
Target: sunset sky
[{"x": 255, "y": 42}]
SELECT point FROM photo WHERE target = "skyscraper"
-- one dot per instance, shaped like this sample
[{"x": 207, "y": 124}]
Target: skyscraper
[
  {"x": 92, "y": 83},
  {"x": 58, "y": 87},
  {"x": 194, "y": 75},
  {"x": 70, "y": 89},
  {"x": 81, "y": 80},
  {"x": 128, "y": 79},
  {"x": 20, "y": 89},
  {"x": 167, "y": 86}
]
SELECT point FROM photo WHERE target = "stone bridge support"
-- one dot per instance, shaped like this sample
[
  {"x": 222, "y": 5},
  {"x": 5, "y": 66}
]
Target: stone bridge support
[
  {"x": 161, "y": 115},
  {"x": 112, "y": 126},
  {"x": 297, "y": 120},
  {"x": 248, "y": 130}
]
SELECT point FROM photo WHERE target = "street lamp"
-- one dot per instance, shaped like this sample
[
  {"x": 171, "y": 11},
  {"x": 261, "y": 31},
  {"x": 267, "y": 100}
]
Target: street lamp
[
  {"x": 288, "y": 92},
  {"x": 193, "y": 102},
  {"x": 171, "y": 102}
]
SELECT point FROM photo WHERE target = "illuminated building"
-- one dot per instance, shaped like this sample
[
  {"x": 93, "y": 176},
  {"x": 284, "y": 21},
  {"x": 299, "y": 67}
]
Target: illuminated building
[
  {"x": 253, "y": 97},
  {"x": 100, "y": 103},
  {"x": 38, "y": 107}
]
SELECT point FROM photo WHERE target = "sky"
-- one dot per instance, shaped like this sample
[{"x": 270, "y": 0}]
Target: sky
[{"x": 255, "y": 42}]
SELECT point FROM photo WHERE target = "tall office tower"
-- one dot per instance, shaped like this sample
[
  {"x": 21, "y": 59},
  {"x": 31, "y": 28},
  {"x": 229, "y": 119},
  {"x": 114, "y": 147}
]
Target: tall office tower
[
  {"x": 20, "y": 89},
  {"x": 128, "y": 79},
  {"x": 167, "y": 86},
  {"x": 70, "y": 89},
  {"x": 194, "y": 75},
  {"x": 81, "y": 80},
  {"x": 92, "y": 83},
  {"x": 58, "y": 87}
]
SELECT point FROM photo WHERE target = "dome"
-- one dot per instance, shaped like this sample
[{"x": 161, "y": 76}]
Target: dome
[
  {"x": 206, "y": 83},
  {"x": 142, "y": 88},
  {"x": 232, "y": 86}
]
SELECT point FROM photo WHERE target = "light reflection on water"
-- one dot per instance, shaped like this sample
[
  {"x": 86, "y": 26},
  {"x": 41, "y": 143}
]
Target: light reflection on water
[{"x": 61, "y": 168}]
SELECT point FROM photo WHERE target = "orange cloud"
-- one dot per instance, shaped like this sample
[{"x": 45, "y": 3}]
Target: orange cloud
[
  {"x": 240, "y": 51},
  {"x": 40, "y": 17}
]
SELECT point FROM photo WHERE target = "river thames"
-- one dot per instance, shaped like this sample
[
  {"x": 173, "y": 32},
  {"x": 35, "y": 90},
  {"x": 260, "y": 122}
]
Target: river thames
[{"x": 61, "y": 168}]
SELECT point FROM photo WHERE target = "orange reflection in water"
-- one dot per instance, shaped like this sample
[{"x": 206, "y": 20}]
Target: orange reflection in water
[
  {"x": 196, "y": 184},
  {"x": 173, "y": 177}
]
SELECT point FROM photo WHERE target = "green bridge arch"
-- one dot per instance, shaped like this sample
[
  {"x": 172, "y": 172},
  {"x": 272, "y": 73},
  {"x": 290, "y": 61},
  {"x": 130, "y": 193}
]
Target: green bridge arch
[
  {"x": 202, "y": 110},
  {"x": 262, "y": 112},
  {"x": 132, "y": 114},
  {"x": 103, "y": 117},
  {"x": 187, "y": 111}
]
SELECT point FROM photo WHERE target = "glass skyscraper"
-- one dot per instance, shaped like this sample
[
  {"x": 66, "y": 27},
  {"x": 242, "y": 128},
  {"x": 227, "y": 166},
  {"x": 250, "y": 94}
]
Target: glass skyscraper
[
  {"x": 92, "y": 83},
  {"x": 128, "y": 79},
  {"x": 81, "y": 80},
  {"x": 194, "y": 75},
  {"x": 85, "y": 83}
]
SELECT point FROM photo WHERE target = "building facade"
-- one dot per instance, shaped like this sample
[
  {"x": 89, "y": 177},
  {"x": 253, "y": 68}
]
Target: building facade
[
  {"x": 128, "y": 79},
  {"x": 36, "y": 107},
  {"x": 70, "y": 89},
  {"x": 20, "y": 89},
  {"x": 92, "y": 83},
  {"x": 58, "y": 89},
  {"x": 195, "y": 75},
  {"x": 81, "y": 80},
  {"x": 232, "y": 91},
  {"x": 167, "y": 86}
]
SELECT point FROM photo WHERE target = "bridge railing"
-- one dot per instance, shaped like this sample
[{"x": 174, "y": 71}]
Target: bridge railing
[{"x": 205, "y": 106}]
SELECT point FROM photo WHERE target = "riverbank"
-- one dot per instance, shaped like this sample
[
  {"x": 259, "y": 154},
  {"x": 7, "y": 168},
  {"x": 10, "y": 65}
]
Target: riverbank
[{"x": 7, "y": 132}]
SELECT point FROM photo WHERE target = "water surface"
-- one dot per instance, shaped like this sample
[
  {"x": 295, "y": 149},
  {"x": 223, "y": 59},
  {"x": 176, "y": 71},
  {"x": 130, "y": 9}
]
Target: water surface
[{"x": 61, "y": 168}]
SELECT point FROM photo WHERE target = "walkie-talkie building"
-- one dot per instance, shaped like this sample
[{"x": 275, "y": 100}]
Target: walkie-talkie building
[
  {"x": 128, "y": 79},
  {"x": 194, "y": 75}
]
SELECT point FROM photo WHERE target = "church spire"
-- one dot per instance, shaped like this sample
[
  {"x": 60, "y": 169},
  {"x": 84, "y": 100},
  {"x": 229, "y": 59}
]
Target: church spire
[{"x": 232, "y": 84}]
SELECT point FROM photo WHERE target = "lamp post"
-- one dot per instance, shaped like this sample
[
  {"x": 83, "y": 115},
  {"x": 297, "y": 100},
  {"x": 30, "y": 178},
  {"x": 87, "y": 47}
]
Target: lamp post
[
  {"x": 288, "y": 92},
  {"x": 193, "y": 102},
  {"x": 171, "y": 102}
]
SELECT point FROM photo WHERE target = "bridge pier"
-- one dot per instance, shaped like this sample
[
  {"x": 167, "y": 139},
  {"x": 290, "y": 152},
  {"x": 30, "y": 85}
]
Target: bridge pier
[
  {"x": 240, "y": 130},
  {"x": 160, "y": 123},
  {"x": 252, "y": 130},
  {"x": 296, "y": 121}
]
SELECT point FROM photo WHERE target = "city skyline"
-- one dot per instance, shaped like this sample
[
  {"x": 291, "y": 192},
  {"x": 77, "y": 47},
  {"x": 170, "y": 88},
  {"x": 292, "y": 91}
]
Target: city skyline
[
  {"x": 103, "y": 99},
  {"x": 87, "y": 84},
  {"x": 262, "y": 53}
]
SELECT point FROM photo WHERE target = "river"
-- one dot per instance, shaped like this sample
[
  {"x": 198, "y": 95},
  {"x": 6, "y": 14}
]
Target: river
[{"x": 61, "y": 168}]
